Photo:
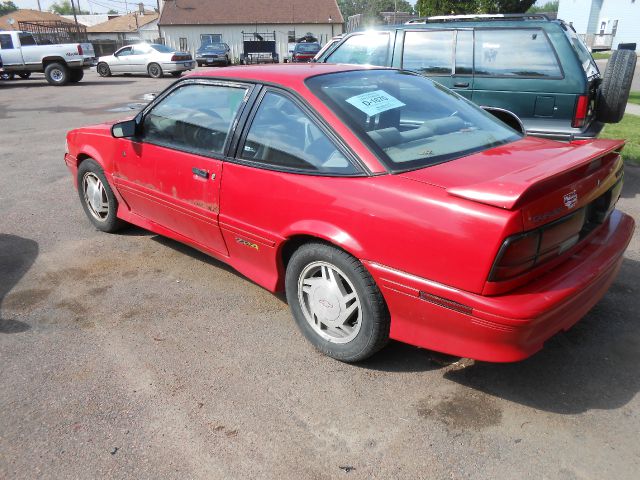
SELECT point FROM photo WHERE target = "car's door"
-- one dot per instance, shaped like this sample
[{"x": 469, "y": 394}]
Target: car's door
[
  {"x": 170, "y": 173},
  {"x": 139, "y": 57},
  {"x": 287, "y": 162},
  {"x": 10, "y": 51},
  {"x": 121, "y": 63}
]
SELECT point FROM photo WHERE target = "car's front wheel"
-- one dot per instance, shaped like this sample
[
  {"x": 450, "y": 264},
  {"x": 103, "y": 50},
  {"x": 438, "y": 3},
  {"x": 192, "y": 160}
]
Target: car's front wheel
[
  {"x": 336, "y": 303},
  {"x": 154, "y": 70},
  {"x": 103, "y": 69},
  {"x": 57, "y": 74},
  {"x": 97, "y": 198}
]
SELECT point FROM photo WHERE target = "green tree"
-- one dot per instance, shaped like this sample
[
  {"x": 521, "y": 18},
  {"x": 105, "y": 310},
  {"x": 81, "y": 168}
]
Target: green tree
[
  {"x": 64, "y": 8},
  {"x": 504, "y": 6},
  {"x": 547, "y": 7},
  {"x": 7, "y": 7},
  {"x": 428, "y": 8},
  {"x": 371, "y": 8}
]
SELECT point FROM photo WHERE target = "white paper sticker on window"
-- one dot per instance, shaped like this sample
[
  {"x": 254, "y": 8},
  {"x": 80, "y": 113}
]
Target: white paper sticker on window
[{"x": 372, "y": 103}]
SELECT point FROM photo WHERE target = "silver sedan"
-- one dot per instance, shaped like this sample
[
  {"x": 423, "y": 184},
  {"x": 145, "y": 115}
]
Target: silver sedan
[{"x": 151, "y": 58}]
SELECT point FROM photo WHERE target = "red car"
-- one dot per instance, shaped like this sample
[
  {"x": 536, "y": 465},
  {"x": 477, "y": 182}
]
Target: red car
[{"x": 384, "y": 204}]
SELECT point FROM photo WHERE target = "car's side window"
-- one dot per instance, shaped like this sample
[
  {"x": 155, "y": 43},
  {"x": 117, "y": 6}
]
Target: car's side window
[
  {"x": 6, "y": 43},
  {"x": 429, "y": 52},
  {"x": 124, "y": 52},
  {"x": 26, "y": 39},
  {"x": 281, "y": 135},
  {"x": 364, "y": 49},
  {"x": 464, "y": 52},
  {"x": 515, "y": 53},
  {"x": 141, "y": 49},
  {"x": 195, "y": 118}
]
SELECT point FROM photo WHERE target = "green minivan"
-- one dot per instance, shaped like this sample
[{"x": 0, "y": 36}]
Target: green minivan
[{"x": 533, "y": 73}]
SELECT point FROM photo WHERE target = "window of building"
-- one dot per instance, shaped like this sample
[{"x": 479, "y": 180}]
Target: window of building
[{"x": 183, "y": 44}]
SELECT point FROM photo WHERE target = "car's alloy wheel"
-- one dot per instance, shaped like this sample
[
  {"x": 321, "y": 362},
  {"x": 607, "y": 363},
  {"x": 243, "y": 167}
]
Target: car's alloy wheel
[
  {"x": 336, "y": 303},
  {"x": 154, "y": 70},
  {"x": 57, "y": 74},
  {"x": 97, "y": 198},
  {"x": 103, "y": 70}
]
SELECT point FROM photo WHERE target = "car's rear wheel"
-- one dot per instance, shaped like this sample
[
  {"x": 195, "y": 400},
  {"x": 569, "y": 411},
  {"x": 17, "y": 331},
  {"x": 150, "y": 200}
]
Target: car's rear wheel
[
  {"x": 616, "y": 84},
  {"x": 57, "y": 74},
  {"x": 7, "y": 75},
  {"x": 336, "y": 303},
  {"x": 154, "y": 70},
  {"x": 199, "y": 64},
  {"x": 24, "y": 75},
  {"x": 77, "y": 74},
  {"x": 97, "y": 198},
  {"x": 103, "y": 69}
]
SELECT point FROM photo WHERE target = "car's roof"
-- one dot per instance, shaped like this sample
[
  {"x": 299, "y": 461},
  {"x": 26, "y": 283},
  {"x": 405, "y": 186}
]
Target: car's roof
[
  {"x": 288, "y": 74},
  {"x": 502, "y": 23}
]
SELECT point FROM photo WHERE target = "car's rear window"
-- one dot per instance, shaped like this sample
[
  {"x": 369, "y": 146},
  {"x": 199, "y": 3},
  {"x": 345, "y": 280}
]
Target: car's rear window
[
  {"x": 308, "y": 47},
  {"x": 162, "y": 48},
  {"x": 408, "y": 120},
  {"x": 588, "y": 64}
]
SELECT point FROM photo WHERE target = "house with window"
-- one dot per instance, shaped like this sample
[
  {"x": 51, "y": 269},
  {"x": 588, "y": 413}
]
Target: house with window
[
  {"x": 186, "y": 24},
  {"x": 603, "y": 24}
]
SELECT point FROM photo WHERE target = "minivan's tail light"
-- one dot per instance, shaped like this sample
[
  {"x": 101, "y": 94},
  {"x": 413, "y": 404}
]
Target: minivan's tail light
[
  {"x": 520, "y": 253},
  {"x": 580, "y": 115},
  {"x": 80, "y": 49}
]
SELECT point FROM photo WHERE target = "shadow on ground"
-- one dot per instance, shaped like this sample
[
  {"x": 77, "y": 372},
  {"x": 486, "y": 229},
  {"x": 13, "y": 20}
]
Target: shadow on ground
[
  {"x": 594, "y": 365},
  {"x": 17, "y": 254}
]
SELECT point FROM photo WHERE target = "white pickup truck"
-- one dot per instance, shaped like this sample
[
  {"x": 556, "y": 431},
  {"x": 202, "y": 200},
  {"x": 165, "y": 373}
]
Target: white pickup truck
[{"x": 61, "y": 63}]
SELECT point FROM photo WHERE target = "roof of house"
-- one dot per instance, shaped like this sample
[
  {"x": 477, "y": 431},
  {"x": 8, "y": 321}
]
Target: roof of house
[
  {"x": 233, "y": 12},
  {"x": 124, "y": 23},
  {"x": 28, "y": 15}
]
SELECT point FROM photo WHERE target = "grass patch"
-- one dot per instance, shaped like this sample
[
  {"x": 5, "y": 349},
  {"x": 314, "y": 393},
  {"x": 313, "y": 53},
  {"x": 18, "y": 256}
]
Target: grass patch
[
  {"x": 634, "y": 97},
  {"x": 628, "y": 129},
  {"x": 601, "y": 55}
]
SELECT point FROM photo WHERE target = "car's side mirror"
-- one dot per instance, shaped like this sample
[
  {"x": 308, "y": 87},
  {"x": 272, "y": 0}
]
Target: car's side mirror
[{"x": 124, "y": 129}]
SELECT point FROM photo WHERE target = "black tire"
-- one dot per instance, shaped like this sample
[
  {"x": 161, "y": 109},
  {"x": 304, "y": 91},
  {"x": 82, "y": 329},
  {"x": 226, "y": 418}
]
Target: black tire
[
  {"x": 176, "y": 74},
  {"x": 228, "y": 62},
  {"x": 373, "y": 333},
  {"x": 616, "y": 83},
  {"x": 103, "y": 69},
  {"x": 199, "y": 64},
  {"x": 110, "y": 223},
  {"x": 57, "y": 74},
  {"x": 154, "y": 70},
  {"x": 7, "y": 75},
  {"x": 77, "y": 74},
  {"x": 24, "y": 75}
]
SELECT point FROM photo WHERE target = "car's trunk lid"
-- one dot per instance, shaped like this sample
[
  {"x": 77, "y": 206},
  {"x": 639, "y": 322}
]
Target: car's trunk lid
[{"x": 544, "y": 178}]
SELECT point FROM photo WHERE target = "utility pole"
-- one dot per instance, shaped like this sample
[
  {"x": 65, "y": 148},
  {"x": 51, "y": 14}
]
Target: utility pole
[
  {"x": 75, "y": 19},
  {"x": 39, "y": 7}
]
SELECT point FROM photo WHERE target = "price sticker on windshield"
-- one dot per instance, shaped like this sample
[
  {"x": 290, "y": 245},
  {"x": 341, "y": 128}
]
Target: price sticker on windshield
[{"x": 372, "y": 103}]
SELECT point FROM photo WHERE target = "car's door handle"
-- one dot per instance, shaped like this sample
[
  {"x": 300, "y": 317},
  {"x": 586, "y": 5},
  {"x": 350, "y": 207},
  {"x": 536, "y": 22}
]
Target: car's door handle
[
  {"x": 461, "y": 84},
  {"x": 200, "y": 172}
]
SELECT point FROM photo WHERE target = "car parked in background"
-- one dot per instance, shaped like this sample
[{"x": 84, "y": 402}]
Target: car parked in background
[
  {"x": 385, "y": 205},
  {"x": 153, "y": 59},
  {"x": 217, "y": 53},
  {"x": 534, "y": 74},
  {"x": 60, "y": 63},
  {"x": 304, "y": 52}
]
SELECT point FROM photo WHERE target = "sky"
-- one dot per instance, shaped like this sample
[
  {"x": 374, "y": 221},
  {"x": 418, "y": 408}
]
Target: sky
[
  {"x": 96, "y": 6},
  {"x": 102, "y": 6}
]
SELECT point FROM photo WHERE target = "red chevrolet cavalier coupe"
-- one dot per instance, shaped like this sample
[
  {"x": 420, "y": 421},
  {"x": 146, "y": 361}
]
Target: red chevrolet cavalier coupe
[{"x": 385, "y": 205}]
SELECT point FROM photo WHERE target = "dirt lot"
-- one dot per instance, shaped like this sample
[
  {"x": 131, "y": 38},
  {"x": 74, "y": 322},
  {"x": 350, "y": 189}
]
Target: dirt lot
[{"x": 132, "y": 356}]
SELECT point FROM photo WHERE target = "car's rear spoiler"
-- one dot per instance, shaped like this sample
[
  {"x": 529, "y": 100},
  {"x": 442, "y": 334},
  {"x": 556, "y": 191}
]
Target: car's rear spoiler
[{"x": 510, "y": 189}]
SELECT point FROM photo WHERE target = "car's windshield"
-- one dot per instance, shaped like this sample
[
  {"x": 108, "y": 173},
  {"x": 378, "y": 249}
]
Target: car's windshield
[
  {"x": 162, "y": 48},
  {"x": 308, "y": 47},
  {"x": 213, "y": 46},
  {"x": 408, "y": 120}
]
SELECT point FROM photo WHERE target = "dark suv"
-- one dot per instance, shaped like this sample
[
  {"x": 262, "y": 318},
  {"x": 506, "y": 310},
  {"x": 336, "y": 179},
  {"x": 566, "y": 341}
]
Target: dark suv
[{"x": 533, "y": 73}]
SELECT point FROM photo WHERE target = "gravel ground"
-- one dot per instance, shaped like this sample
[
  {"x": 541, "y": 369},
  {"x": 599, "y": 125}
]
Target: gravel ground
[{"x": 132, "y": 356}]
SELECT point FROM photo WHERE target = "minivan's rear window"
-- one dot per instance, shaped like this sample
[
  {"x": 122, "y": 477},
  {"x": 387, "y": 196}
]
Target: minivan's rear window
[
  {"x": 408, "y": 120},
  {"x": 515, "y": 53}
]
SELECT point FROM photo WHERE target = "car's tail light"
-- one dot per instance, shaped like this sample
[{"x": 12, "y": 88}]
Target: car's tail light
[
  {"x": 580, "y": 115},
  {"x": 520, "y": 253},
  {"x": 80, "y": 49},
  {"x": 175, "y": 58}
]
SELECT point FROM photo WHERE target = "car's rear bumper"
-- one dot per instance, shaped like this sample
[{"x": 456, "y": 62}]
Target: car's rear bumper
[
  {"x": 212, "y": 61},
  {"x": 178, "y": 66},
  {"x": 512, "y": 326},
  {"x": 556, "y": 131}
]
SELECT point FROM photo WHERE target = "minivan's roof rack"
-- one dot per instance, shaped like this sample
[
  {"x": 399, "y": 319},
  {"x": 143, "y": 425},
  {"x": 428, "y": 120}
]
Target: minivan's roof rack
[{"x": 471, "y": 18}]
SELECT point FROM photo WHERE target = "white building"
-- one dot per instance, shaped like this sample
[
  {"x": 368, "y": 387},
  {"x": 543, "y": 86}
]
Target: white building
[
  {"x": 185, "y": 24},
  {"x": 604, "y": 23}
]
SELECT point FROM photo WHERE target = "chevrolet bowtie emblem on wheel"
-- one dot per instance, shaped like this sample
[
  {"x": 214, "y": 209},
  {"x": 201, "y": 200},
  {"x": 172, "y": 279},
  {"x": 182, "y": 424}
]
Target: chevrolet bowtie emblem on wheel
[{"x": 570, "y": 199}]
